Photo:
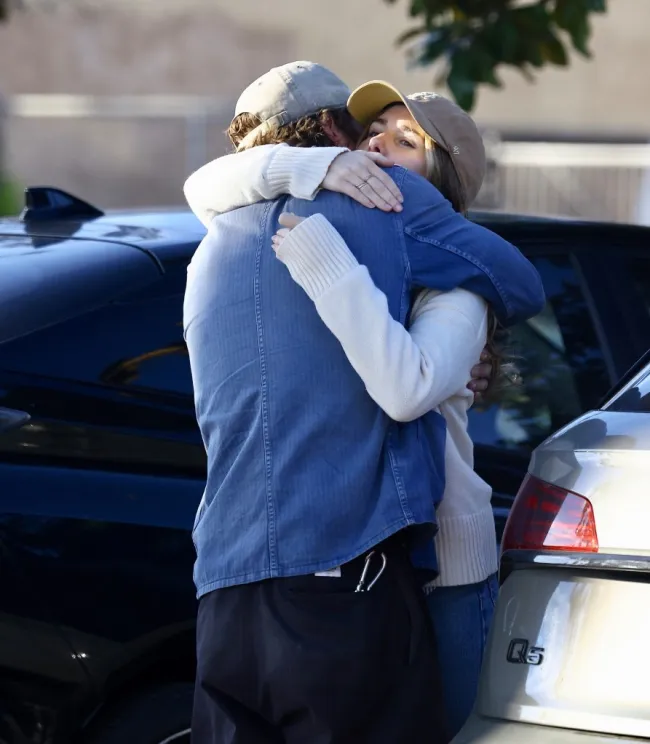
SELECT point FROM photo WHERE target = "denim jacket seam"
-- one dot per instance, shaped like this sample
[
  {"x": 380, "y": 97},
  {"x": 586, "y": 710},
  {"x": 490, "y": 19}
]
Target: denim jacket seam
[
  {"x": 404, "y": 305},
  {"x": 266, "y": 439},
  {"x": 472, "y": 259},
  {"x": 399, "y": 485},
  {"x": 405, "y": 301}
]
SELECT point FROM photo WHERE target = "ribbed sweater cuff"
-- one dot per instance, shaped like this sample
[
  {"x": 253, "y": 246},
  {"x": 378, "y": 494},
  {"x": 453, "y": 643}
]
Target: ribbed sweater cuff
[
  {"x": 316, "y": 255},
  {"x": 466, "y": 548},
  {"x": 300, "y": 171}
]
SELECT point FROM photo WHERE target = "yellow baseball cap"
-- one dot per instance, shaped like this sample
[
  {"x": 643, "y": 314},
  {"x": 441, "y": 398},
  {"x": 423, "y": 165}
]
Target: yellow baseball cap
[{"x": 444, "y": 121}]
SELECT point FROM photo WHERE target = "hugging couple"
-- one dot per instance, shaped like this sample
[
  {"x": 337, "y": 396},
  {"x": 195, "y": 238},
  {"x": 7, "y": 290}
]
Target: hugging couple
[{"x": 334, "y": 314}]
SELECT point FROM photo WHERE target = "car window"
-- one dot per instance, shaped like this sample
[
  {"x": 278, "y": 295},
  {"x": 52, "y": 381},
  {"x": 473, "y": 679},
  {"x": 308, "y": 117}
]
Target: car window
[
  {"x": 561, "y": 364},
  {"x": 639, "y": 270},
  {"x": 134, "y": 344}
]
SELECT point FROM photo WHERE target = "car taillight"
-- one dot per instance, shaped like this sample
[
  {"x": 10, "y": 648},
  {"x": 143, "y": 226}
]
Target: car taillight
[{"x": 545, "y": 517}]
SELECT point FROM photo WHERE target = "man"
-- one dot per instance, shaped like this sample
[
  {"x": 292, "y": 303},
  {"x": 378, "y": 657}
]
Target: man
[{"x": 311, "y": 624}]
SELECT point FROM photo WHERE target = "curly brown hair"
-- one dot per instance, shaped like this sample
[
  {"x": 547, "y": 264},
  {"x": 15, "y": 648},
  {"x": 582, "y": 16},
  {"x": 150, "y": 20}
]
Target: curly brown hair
[{"x": 310, "y": 131}]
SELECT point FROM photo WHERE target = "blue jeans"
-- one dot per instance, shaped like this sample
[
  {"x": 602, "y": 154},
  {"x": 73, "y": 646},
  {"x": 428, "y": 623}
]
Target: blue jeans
[{"x": 461, "y": 617}]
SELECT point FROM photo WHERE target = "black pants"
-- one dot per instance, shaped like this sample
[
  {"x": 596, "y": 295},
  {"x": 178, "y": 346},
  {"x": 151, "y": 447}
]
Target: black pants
[{"x": 308, "y": 660}]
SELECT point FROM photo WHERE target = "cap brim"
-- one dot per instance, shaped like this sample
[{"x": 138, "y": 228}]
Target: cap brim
[{"x": 368, "y": 100}]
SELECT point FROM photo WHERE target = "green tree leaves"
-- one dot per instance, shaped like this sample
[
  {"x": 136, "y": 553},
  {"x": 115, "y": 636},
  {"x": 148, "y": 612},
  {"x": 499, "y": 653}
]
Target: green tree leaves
[
  {"x": 9, "y": 198},
  {"x": 469, "y": 39}
]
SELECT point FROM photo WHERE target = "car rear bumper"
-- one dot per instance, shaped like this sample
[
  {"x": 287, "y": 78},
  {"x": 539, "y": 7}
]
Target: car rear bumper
[{"x": 479, "y": 730}]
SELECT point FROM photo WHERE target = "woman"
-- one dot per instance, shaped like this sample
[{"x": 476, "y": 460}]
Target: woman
[{"x": 409, "y": 373}]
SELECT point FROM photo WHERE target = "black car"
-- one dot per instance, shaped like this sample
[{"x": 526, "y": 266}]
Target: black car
[{"x": 102, "y": 465}]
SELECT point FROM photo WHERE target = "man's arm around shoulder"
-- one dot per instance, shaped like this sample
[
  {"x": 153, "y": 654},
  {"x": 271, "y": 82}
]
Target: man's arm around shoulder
[{"x": 445, "y": 250}]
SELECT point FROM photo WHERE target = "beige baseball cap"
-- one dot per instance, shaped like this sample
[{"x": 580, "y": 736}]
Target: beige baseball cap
[
  {"x": 287, "y": 93},
  {"x": 444, "y": 121}
]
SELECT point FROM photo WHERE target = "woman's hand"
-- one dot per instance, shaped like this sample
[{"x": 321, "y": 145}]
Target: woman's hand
[
  {"x": 359, "y": 174},
  {"x": 481, "y": 376},
  {"x": 288, "y": 222}
]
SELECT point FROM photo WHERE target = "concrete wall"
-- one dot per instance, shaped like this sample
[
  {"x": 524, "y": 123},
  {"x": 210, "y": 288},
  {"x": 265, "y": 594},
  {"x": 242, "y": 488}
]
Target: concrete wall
[
  {"x": 356, "y": 38},
  {"x": 108, "y": 51},
  {"x": 215, "y": 47}
]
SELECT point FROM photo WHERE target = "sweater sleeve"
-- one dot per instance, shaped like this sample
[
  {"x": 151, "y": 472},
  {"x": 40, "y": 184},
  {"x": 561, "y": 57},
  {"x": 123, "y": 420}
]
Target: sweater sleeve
[
  {"x": 407, "y": 372},
  {"x": 263, "y": 172}
]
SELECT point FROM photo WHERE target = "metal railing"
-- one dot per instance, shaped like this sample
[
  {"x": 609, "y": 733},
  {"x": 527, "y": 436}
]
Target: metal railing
[
  {"x": 600, "y": 181},
  {"x": 194, "y": 112},
  {"x": 149, "y": 141}
]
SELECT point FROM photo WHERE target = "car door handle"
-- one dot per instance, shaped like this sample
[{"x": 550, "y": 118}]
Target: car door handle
[{"x": 12, "y": 419}]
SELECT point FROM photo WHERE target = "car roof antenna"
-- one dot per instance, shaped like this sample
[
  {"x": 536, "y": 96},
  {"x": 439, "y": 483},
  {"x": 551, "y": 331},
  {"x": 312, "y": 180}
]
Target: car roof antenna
[{"x": 46, "y": 203}]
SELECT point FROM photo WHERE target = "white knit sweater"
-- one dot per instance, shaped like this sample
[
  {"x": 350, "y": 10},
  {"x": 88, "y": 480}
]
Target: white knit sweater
[{"x": 407, "y": 372}]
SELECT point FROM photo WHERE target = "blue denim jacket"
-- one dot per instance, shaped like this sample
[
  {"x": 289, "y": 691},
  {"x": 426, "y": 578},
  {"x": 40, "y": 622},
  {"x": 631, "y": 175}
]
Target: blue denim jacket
[{"x": 305, "y": 471}]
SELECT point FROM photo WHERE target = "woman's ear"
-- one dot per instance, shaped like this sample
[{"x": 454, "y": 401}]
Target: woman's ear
[{"x": 334, "y": 133}]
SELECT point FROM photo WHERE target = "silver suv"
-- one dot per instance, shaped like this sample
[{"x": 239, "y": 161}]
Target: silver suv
[{"x": 568, "y": 659}]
